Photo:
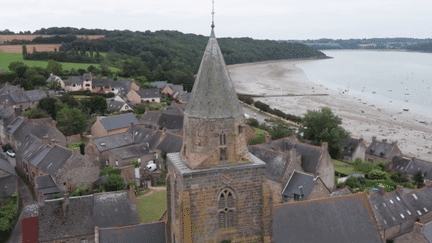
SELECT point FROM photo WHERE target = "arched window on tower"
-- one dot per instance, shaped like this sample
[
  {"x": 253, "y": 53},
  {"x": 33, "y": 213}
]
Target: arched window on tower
[
  {"x": 222, "y": 138},
  {"x": 226, "y": 209}
]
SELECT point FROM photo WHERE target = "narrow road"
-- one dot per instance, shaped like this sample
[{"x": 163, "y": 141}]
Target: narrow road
[{"x": 26, "y": 198}]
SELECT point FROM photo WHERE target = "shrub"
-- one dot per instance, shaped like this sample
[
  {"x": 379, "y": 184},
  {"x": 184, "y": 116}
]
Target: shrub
[
  {"x": 419, "y": 179},
  {"x": 7, "y": 147},
  {"x": 135, "y": 163},
  {"x": 114, "y": 183},
  {"x": 160, "y": 182},
  {"x": 252, "y": 122},
  {"x": 75, "y": 145},
  {"x": 257, "y": 140},
  {"x": 363, "y": 167},
  {"x": 381, "y": 165},
  {"x": 398, "y": 177},
  {"x": 261, "y": 106},
  {"x": 376, "y": 174},
  {"x": 109, "y": 171},
  {"x": 80, "y": 191},
  {"x": 132, "y": 183},
  {"x": 352, "y": 182}
]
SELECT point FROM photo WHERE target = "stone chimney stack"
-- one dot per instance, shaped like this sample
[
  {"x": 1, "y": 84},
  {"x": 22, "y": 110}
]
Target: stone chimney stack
[
  {"x": 373, "y": 138},
  {"x": 381, "y": 191},
  {"x": 395, "y": 143},
  {"x": 54, "y": 122},
  {"x": 45, "y": 139},
  {"x": 53, "y": 142},
  {"x": 65, "y": 202},
  {"x": 324, "y": 146}
]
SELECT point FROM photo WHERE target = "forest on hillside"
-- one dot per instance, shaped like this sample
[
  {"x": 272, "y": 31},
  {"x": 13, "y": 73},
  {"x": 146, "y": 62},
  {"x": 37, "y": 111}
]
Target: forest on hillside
[
  {"x": 409, "y": 44},
  {"x": 160, "y": 55}
]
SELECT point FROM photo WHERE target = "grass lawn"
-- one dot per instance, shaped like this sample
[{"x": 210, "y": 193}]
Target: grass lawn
[
  {"x": 7, "y": 58},
  {"x": 259, "y": 131},
  {"x": 151, "y": 208},
  {"x": 343, "y": 167}
]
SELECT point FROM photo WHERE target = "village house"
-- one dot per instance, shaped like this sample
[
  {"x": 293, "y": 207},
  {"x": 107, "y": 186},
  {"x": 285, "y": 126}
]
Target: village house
[
  {"x": 8, "y": 179},
  {"x": 120, "y": 157},
  {"x": 68, "y": 169},
  {"x": 144, "y": 96},
  {"x": 105, "y": 126},
  {"x": 302, "y": 186},
  {"x": 138, "y": 233},
  {"x": 420, "y": 234},
  {"x": 410, "y": 166},
  {"x": 119, "y": 106},
  {"x": 17, "y": 98},
  {"x": 55, "y": 78},
  {"x": 7, "y": 115},
  {"x": 76, "y": 219},
  {"x": 353, "y": 149},
  {"x": 163, "y": 119},
  {"x": 159, "y": 84},
  {"x": 382, "y": 150},
  {"x": 98, "y": 85},
  {"x": 46, "y": 188},
  {"x": 172, "y": 90},
  {"x": 396, "y": 212},
  {"x": 43, "y": 128}
]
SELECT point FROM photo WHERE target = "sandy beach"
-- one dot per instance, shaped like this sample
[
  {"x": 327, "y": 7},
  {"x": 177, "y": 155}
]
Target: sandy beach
[{"x": 360, "y": 117}]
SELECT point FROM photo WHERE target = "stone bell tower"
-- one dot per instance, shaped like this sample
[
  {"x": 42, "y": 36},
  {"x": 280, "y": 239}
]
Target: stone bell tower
[{"x": 215, "y": 187}]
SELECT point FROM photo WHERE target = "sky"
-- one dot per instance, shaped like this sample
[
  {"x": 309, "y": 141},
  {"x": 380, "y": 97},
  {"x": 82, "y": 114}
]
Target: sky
[{"x": 258, "y": 19}]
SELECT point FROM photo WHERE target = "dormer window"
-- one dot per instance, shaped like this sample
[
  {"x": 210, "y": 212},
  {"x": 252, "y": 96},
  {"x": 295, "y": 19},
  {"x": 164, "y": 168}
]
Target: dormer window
[{"x": 102, "y": 144}]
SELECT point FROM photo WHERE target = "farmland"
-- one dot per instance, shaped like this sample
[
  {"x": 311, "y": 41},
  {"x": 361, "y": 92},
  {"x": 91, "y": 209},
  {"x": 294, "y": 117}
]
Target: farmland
[{"x": 7, "y": 58}]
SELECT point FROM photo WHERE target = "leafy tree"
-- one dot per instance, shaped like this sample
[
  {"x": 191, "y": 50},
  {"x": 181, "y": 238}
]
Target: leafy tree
[
  {"x": 48, "y": 104},
  {"x": 114, "y": 183},
  {"x": 34, "y": 77},
  {"x": 352, "y": 182},
  {"x": 135, "y": 163},
  {"x": 69, "y": 100},
  {"x": 71, "y": 121},
  {"x": 376, "y": 174},
  {"x": 24, "y": 50},
  {"x": 54, "y": 85},
  {"x": 80, "y": 191},
  {"x": 91, "y": 68},
  {"x": 397, "y": 177},
  {"x": 98, "y": 103},
  {"x": 109, "y": 170},
  {"x": 81, "y": 71},
  {"x": 36, "y": 113},
  {"x": 279, "y": 131},
  {"x": 419, "y": 179},
  {"x": 257, "y": 140},
  {"x": 324, "y": 126},
  {"x": 252, "y": 122},
  {"x": 54, "y": 68}
]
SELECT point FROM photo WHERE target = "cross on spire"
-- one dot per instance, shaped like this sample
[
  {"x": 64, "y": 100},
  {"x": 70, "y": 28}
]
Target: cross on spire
[{"x": 213, "y": 12}]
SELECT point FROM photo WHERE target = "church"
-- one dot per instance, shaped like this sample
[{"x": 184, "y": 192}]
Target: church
[{"x": 219, "y": 191}]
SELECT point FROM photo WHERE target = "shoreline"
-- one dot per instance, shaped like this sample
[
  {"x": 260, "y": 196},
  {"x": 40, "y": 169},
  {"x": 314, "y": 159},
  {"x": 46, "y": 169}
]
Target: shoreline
[{"x": 361, "y": 120}]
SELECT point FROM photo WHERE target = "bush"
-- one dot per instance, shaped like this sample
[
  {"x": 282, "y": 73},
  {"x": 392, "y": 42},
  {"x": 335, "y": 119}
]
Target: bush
[
  {"x": 261, "y": 106},
  {"x": 376, "y": 174},
  {"x": 381, "y": 165},
  {"x": 419, "y": 179},
  {"x": 75, "y": 145},
  {"x": 135, "y": 163},
  {"x": 160, "y": 182},
  {"x": 114, "y": 183},
  {"x": 363, "y": 167},
  {"x": 398, "y": 177},
  {"x": 109, "y": 171},
  {"x": 252, "y": 122},
  {"x": 80, "y": 191},
  {"x": 132, "y": 183},
  {"x": 257, "y": 140},
  {"x": 352, "y": 182},
  {"x": 35, "y": 113}
]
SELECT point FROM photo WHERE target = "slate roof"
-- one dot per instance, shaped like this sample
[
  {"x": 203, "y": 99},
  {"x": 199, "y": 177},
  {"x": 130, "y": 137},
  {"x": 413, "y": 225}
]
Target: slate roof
[
  {"x": 153, "y": 140},
  {"x": 171, "y": 143},
  {"x": 140, "y": 233},
  {"x": 13, "y": 126},
  {"x": 8, "y": 88},
  {"x": 19, "y": 97},
  {"x": 174, "y": 109},
  {"x": 300, "y": 184},
  {"x": 39, "y": 129},
  {"x": 77, "y": 80},
  {"x": 119, "y": 121},
  {"x": 149, "y": 93},
  {"x": 159, "y": 84},
  {"x": 113, "y": 141},
  {"x": 276, "y": 161},
  {"x": 101, "y": 180},
  {"x": 171, "y": 121},
  {"x": 184, "y": 97},
  {"x": 400, "y": 163},
  {"x": 114, "y": 209},
  {"x": 54, "y": 160},
  {"x": 420, "y": 165},
  {"x": 29, "y": 147},
  {"x": 76, "y": 220},
  {"x": 6, "y": 112},
  {"x": 343, "y": 191},
  {"x": 114, "y": 105},
  {"x": 101, "y": 82},
  {"x": 35, "y": 95},
  {"x": 140, "y": 133},
  {"x": 132, "y": 151},
  {"x": 6, "y": 166},
  {"x": 213, "y": 94},
  {"x": 402, "y": 207},
  {"x": 176, "y": 88},
  {"x": 37, "y": 156},
  {"x": 46, "y": 185},
  {"x": 8, "y": 186},
  {"x": 378, "y": 147},
  {"x": 151, "y": 118},
  {"x": 351, "y": 146},
  {"x": 334, "y": 219},
  {"x": 6, "y": 98}
]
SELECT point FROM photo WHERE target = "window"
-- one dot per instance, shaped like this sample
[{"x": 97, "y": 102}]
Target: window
[
  {"x": 222, "y": 138},
  {"x": 73, "y": 85},
  {"x": 107, "y": 162},
  {"x": 223, "y": 153},
  {"x": 106, "y": 86},
  {"x": 297, "y": 197},
  {"x": 226, "y": 212},
  {"x": 116, "y": 163},
  {"x": 87, "y": 85}
]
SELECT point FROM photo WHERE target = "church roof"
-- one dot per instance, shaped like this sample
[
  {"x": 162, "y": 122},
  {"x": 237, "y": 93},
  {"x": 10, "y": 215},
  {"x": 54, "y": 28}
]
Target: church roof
[{"x": 213, "y": 94}]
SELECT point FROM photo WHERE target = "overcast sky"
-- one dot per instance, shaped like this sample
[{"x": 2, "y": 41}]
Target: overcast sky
[{"x": 259, "y": 19}]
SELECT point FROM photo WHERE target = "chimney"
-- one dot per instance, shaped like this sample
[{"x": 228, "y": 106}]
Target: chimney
[
  {"x": 373, "y": 138},
  {"x": 132, "y": 192},
  {"x": 45, "y": 139},
  {"x": 394, "y": 143},
  {"x": 65, "y": 202},
  {"x": 54, "y": 122},
  {"x": 399, "y": 189},
  {"x": 53, "y": 142},
  {"x": 324, "y": 146}
]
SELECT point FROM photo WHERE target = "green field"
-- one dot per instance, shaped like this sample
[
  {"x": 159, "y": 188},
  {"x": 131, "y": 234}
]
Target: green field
[
  {"x": 343, "y": 167},
  {"x": 151, "y": 208},
  {"x": 7, "y": 58}
]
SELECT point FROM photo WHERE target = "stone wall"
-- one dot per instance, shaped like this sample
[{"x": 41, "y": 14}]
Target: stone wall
[
  {"x": 97, "y": 130},
  {"x": 118, "y": 131},
  {"x": 73, "y": 139},
  {"x": 319, "y": 191},
  {"x": 276, "y": 189},
  {"x": 134, "y": 96},
  {"x": 93, "y": 153},
  {"x": 325, "y": 169}
]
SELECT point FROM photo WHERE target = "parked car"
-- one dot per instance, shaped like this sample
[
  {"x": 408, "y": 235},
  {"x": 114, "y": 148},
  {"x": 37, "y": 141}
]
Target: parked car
[
  {"x": 151, "y": 167},
  {"x": 11, "y": 153}
]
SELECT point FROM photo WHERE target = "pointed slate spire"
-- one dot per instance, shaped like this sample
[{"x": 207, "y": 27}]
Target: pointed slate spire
[{"x": 213, "y": 94}]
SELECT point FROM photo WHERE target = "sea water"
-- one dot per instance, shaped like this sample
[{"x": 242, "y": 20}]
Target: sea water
[{"x": 403, "y": 80}]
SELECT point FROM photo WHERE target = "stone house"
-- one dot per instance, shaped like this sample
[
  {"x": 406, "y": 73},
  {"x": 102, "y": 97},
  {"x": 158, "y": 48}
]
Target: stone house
[
  {"x": 159, "y": 84},
  {"x": 302, "y": 186},
  {"x": 101, "y": 85},
  {"x": 138, "y": 233},
  {"x": 21, "y": 100},
  {"x": 7, "y": 115},
  {"x": 105, "y": 126},
  {"x": 8, "y": 179},
  {"x": 166, "y": 119},
  {"x": 382, "y": 150},
  {"x": 120, "y": 157},
  {"x": 144, "y": 96},
  {"x": 420, "y": 234},
  {"x": 43, "y": 128},
  {"x": 151, "y": 118},
  {"x": 172, "y": 90},
  {"x": 121, "y": 87},
  {"x": 75, "y": 219},
  {"x": 182, "y": 97},
  {"x": 55, "y": 78},
  {"x": 67, "y": 169},
  {"x": 409, "y": 166},
  {"x": 353, "y": 149},
  {"x": 45, "y": 188},
  {"x": 347, "y": 218},
  {"x": 396, "y": 212},
  {"x": 114, "y": 105}
]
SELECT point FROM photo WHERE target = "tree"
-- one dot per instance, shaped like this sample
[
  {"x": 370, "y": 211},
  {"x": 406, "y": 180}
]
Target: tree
[
  {"x": 34, "y": 77},
  {"x": 419, "y": 179},
  {"x": 98, "y": 103},
  {"x": 54, "y": 85},
  {"x": 71, "y": 121},
  {"x": 114, "y": 183},
  {"x": 91, "y": 68},
  {"x": 135, "y": 163},
  {"x": 36, "y": 113},
  {"x": 48, "y": 104},
  {"x": 323, "y": 126},
  {"x": 19, "y": 68},
  {"x": 24, "y": 51},
  {"x": 55, "y": 68}
]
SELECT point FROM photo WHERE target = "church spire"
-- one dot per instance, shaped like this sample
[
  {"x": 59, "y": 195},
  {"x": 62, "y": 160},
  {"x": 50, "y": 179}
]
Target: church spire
[{"x": 213, "y": 12}]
